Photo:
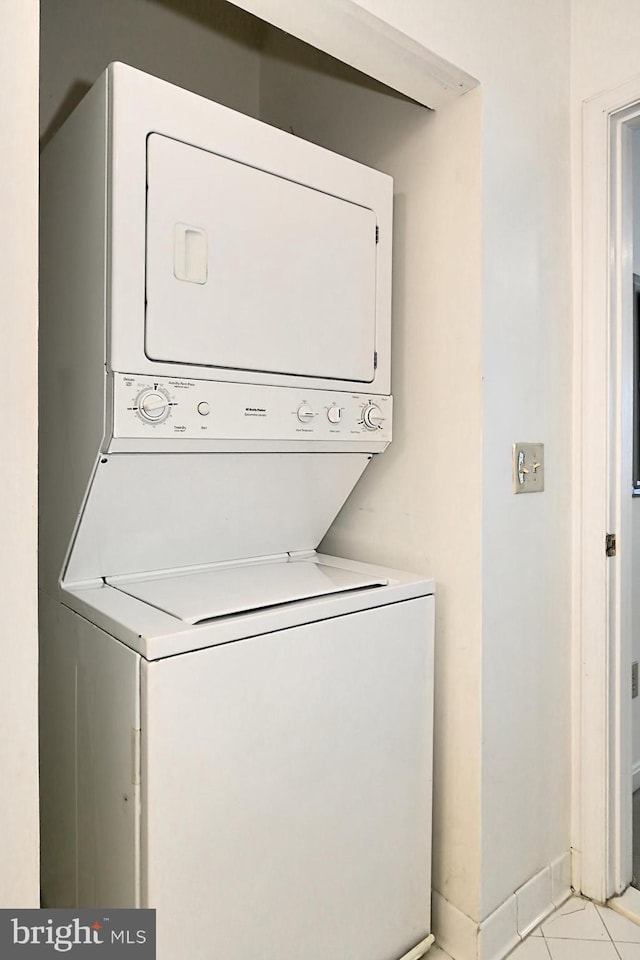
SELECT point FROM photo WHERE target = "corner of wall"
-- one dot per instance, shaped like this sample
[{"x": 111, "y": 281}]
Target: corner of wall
[{"x": 497, "y": 935}]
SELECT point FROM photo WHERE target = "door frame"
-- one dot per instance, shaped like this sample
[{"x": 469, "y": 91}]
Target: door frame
[
  {"x": 19, "y": 74},
  {"x": 603, "y": 417}
]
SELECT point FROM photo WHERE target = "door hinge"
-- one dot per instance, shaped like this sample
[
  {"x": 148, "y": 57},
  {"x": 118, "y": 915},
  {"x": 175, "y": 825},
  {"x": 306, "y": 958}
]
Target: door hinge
[
  {"x": 375, "y": 360},
  {"x": 611, "y": 545},
  {"x": 377, "y": 234}
]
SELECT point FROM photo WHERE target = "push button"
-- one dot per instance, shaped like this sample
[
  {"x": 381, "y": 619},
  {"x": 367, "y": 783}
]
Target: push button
[{"x": 204, "y": 409}]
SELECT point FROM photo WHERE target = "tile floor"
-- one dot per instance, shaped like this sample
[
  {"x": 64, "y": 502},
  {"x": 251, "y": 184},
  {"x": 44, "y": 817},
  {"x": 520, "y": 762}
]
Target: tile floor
[{"x": 578, "y": 930}]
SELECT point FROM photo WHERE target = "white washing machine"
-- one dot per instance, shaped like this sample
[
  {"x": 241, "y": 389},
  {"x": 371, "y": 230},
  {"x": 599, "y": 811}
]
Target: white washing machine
[{"x": 235, "y": 730}]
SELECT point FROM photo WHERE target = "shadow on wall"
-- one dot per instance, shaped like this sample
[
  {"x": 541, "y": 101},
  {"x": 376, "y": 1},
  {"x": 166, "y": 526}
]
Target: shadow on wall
[
  {"x": 241, "y": 26},
  {"x": 292, "y": 52},
  {"x": 222, "y": 20},
  {"x": 223, "y": 17},
  {"x": 72, "y": 98},
  {"x": 216, "y": 16}
]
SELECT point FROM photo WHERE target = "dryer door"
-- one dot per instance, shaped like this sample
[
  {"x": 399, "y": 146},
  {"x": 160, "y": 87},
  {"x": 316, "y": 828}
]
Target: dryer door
[{"x": 250, "y": 271}]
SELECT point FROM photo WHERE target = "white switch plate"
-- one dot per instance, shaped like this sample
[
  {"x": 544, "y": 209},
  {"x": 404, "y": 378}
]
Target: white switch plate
[{"x": 528, "y": 467}]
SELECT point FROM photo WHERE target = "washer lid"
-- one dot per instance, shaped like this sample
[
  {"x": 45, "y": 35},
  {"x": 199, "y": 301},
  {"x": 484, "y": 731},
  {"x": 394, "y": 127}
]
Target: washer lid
[{"x": 223, "y": 591}]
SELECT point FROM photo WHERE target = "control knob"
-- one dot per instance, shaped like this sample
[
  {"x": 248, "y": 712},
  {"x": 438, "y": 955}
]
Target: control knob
[
  {"x": 305, "y": 413},
  {"x": 372, "y": 417},
  {"x": 153, "y": 406},
  {"x": 334, "y": 414}
]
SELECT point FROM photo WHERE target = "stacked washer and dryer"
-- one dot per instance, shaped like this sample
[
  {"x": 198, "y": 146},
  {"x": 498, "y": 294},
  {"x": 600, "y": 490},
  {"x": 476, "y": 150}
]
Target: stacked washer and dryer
[{"x": 236, "y": 730}]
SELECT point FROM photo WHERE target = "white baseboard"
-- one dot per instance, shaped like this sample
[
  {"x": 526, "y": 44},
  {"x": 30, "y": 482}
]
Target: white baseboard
[
  {"x": 498, "y": 933},
  {"x": 496, "y": 936},
  {"x": 561, "y": 872},
  {"x": 535, "y": 901},
  {"x": 627, "y": 904}
]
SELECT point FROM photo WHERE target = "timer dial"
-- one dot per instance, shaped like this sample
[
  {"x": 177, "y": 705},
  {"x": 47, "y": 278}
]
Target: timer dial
[
  {"x": 372, "y": 417},
  {"x": 153, "y": 406},
  {"x": 305, "y": 413}
]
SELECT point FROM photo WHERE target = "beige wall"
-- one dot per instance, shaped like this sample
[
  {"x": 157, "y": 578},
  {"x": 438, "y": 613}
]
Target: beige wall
[
  {"x": 18, "y": 629},
  {"x": 604, "y": 37}
]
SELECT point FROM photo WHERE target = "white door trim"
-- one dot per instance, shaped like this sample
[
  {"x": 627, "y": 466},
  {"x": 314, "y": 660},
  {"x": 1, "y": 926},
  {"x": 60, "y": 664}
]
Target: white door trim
[
  {"x": 19, "y": 834},
  {"x": 602, "y": 641}
]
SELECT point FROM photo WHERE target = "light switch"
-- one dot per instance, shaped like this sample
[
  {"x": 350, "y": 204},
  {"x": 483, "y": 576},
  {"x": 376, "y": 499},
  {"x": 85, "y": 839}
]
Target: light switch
[{"x": 528, "y": 467}]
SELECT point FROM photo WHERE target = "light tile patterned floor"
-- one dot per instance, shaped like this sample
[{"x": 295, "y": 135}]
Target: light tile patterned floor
[{"x": 578, "y": 930}]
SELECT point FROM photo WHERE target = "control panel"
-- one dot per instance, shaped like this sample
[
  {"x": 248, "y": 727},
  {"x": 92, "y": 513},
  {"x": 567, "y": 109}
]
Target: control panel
[{"x": 215, "y": 410}]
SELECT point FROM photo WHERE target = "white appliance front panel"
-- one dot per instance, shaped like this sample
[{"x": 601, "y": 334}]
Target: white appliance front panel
[
  {"x": 89, "y": 763},
  {"x": 168, "y": 510},
  {"x": 139, "y": 105},
  {"x": 227, "y": 590},
  {"x": 247, "y": 270},
  {"x": 286, "y": 791},
  {"x": 207, "y": 409}
]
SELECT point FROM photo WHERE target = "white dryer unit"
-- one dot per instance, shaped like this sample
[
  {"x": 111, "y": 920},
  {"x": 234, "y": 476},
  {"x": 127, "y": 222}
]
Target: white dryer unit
[{"x": 235, "y": 730}]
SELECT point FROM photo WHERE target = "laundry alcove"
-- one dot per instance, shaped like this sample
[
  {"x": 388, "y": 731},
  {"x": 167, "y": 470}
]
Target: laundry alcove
[{"x": 404, "y": 510}]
